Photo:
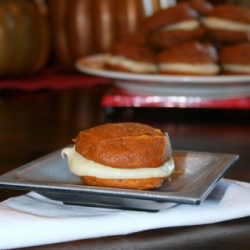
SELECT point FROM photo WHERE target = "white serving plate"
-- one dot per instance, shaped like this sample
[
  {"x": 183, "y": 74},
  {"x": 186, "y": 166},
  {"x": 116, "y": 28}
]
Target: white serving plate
[{"x": 209, "y": 87}]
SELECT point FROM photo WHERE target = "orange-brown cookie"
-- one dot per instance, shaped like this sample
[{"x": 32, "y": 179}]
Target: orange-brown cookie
[
  {"x": 124, "y": 145},
  {"x": 136, "y": 38},
  {"x": 201, "y": 6},
  {"x": 140, "y": 184},
  {"x": 235, "y": 59},
  {"x": 192, "y": 58},
  {"x": 121, "y": 155},
  {"x": 161, "y": 40},
  {"x": 228, "y": 23},
  {"x": 131, "y": 58}
]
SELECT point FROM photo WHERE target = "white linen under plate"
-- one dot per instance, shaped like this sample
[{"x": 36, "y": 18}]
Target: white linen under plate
[{"x": 32, "y": 219}]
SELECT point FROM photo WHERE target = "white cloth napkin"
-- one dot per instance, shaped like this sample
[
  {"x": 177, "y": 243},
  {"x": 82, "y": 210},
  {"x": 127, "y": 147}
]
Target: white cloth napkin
[{"x": 32, "y": 219}]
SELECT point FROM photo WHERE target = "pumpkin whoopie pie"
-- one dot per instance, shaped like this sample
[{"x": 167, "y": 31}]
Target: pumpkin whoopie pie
[
  {"x": 176, "y": 24},
  {"x": 131, "y": 58},
  {"x": 121, "y": 155},
  {"x": 228, "y": 23},
  {"x": 193, "y": 58},
  {"x": 235, "y": 59}
]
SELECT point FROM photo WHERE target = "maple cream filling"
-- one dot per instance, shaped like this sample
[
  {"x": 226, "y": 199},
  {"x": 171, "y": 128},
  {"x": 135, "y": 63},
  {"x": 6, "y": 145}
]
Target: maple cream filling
[
  {"x": 184, "y": 25},
  {"x": 219, "y": 23},
  {"x": 236, "y": 68},
  {"x": 81, "y": 166},
  {"x": 193, "y": 68},
  {"x": 131, "y": 65}
]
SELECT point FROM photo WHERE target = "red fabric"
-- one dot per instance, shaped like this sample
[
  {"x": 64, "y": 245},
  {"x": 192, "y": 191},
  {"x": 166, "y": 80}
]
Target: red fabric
[
  {"x": 119, "y": 98},
  {"x": 52, "y": 78}
]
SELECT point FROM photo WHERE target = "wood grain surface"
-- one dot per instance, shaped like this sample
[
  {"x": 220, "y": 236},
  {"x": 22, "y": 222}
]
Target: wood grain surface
[{"x": 33, "y": 124}]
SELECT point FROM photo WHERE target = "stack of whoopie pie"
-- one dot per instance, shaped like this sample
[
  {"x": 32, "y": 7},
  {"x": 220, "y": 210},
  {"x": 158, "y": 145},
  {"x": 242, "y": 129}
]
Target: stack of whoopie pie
[{"x": 193, "y": 37}]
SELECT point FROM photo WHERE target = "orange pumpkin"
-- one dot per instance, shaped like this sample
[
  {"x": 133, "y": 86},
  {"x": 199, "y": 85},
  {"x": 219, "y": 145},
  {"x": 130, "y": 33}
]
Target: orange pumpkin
[
  {"x": 83, "y": 27},
  {"x": 24, "y": 38}
]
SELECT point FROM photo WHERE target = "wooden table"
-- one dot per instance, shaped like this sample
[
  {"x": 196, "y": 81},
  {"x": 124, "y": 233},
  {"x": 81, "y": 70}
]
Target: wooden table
[{"x": 33, "y": 124}]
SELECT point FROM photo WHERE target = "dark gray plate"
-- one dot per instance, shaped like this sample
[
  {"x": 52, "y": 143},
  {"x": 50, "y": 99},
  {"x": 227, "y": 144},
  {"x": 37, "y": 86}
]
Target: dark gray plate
[{"x": 198, "y": 174}]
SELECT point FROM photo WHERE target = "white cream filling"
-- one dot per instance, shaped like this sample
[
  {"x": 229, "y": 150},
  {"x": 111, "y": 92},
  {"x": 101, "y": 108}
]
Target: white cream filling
[
  {"x": 134, "y": 66},
  {"x": 80, "y": 166},
  {"x": 219, "y": 23},
  {"x": 193, "y": 68},
  {"x": 236, "y": 68},
  {"x": 184, "y": 25}
]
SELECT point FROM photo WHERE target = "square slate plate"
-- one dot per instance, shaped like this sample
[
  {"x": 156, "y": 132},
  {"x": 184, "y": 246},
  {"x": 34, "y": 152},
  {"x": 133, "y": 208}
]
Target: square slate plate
[{"x": 196, "y": 175}]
